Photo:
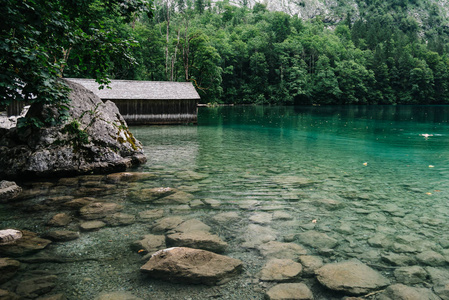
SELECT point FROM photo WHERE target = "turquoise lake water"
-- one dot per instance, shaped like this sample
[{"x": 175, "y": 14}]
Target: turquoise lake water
[{"x": 371, "y": 181}]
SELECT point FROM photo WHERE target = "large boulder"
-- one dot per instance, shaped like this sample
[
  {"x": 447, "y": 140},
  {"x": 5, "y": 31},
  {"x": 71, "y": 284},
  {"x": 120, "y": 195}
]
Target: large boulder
[
  {"x": 181, "y": 264},
  {"x": 94, "y": 138}
]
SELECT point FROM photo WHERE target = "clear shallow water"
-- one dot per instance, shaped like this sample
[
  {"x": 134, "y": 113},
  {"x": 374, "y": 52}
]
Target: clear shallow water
[{"x": 364, "y": 176}]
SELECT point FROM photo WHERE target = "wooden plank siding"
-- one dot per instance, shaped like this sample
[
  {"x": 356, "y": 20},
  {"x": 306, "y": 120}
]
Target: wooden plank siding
[
  {"x": 142, "y": 111},
  {"x": 149, "y": 102},
  {"x": 15, "y": 108}
]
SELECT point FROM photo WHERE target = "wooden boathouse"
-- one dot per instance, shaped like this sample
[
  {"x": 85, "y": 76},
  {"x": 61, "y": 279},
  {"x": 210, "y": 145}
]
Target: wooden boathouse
[{"x": 149, "y": 102}]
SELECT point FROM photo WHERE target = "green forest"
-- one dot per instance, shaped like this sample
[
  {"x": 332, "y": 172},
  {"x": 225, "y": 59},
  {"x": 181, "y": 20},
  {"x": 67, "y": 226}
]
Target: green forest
[{"x": 244, "y": 55}]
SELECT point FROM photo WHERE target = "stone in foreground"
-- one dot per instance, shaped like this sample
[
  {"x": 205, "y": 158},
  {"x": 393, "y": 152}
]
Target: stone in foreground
[
  {"x": 351, "y": 276},
  {"x": 181, "y": 264},
  {"x": 289, "y": 291},
  {"x": 280, "y": 270}
]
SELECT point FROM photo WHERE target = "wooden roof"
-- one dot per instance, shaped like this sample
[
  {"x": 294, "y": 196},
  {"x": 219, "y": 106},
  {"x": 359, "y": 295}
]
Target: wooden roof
[{"x": 142, "y": 90}]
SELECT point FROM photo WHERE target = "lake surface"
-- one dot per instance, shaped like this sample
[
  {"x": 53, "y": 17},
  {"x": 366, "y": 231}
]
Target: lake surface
[{"x": 370, "y": 183}]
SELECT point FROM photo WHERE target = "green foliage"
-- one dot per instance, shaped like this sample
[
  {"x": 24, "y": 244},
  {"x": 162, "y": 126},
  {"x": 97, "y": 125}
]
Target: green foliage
[
  {"x": 241, "y": 55},
  {"x": 237, "y": 54},
  {"x": 79, "y": 136},
  {"x": 40, "y": 39}
]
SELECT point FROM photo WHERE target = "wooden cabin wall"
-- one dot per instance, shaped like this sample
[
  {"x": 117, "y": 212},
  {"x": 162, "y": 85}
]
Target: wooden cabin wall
[
  {"x": 15, "y": 108},
  {"x": 158, "y": 111}
]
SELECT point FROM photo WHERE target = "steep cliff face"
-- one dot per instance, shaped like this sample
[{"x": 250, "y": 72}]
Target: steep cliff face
[
  {"x": 335, "y": 11},
  {"x": 94, "y": 138}
]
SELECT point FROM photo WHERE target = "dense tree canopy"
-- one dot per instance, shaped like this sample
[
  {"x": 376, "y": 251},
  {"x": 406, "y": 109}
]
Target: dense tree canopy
[
  {"x": 231, "y": 54},
  {"x": 39, "y": 39},
  {"x": 242, "y": 55}
]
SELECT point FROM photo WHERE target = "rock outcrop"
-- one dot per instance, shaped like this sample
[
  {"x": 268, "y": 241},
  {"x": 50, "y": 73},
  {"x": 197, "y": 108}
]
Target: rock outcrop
[
  {"x": 94, "y": 138},
  {"x": 181, "y": 264}
]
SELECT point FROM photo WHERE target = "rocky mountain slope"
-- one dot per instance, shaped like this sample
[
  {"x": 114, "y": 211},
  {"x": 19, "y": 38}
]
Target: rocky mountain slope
[{"x": 334, "y": 11}]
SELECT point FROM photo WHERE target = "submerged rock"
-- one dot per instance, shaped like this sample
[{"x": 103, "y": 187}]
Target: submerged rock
[
  {"x": 442, "y": 289},
  {"x": 403, "y": 292},
  {"x": 261, "y": 218},
  {"x": 351, "y": 276},
  {"x": 149, "y": 195},
  {"x": 120, "y": 219},
  {"x": 32, "y": 288},
  {"x": 9, "y": 236},
  {"x": 293, "y": 181},
  {"x": 166, "y": 224},
  {"x": 182, "y": 264},
  {"x": 59, "y": 220},
  {"x": 62, "y": 235},
  {"x": 280, "y": 270},
  {"x": 92, "y": 225},
  {"x": 256, "y": 235},
  {"x": 128, "y": 177},
  {"x": 410, "y": 275},
  {"x": 431, "y": 258},
  {"x": 152, "y": 214},
  {"x": 28, "y": 244},
  {"x": 99, "y": 210},
  {"x": 7, "y": 295},
  {"x": 192, "y": 225},
  {"x": 310, "y": 264},
  {"x": 398, "y": 259},
  {"x": 317, "y": 240},
  {"x": 117, "y": 296},
  {"x": 94, "y": 138},
  {"x": 289, "y": 291},
  {"x": 79, "y": 202},
  {"x": 53, "y": 297},
  {"x": 9, "y": 190},
  {"x": 179, "y": 197},
  {"x": 198, "y": 240},
  {"x": 191, "y": 175},
  {"x": 8, "y": 268},
  {"x": 226, "y": 217},
  {"x": 149, "y": 244},
  {"x": 274, "y": 249}
]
